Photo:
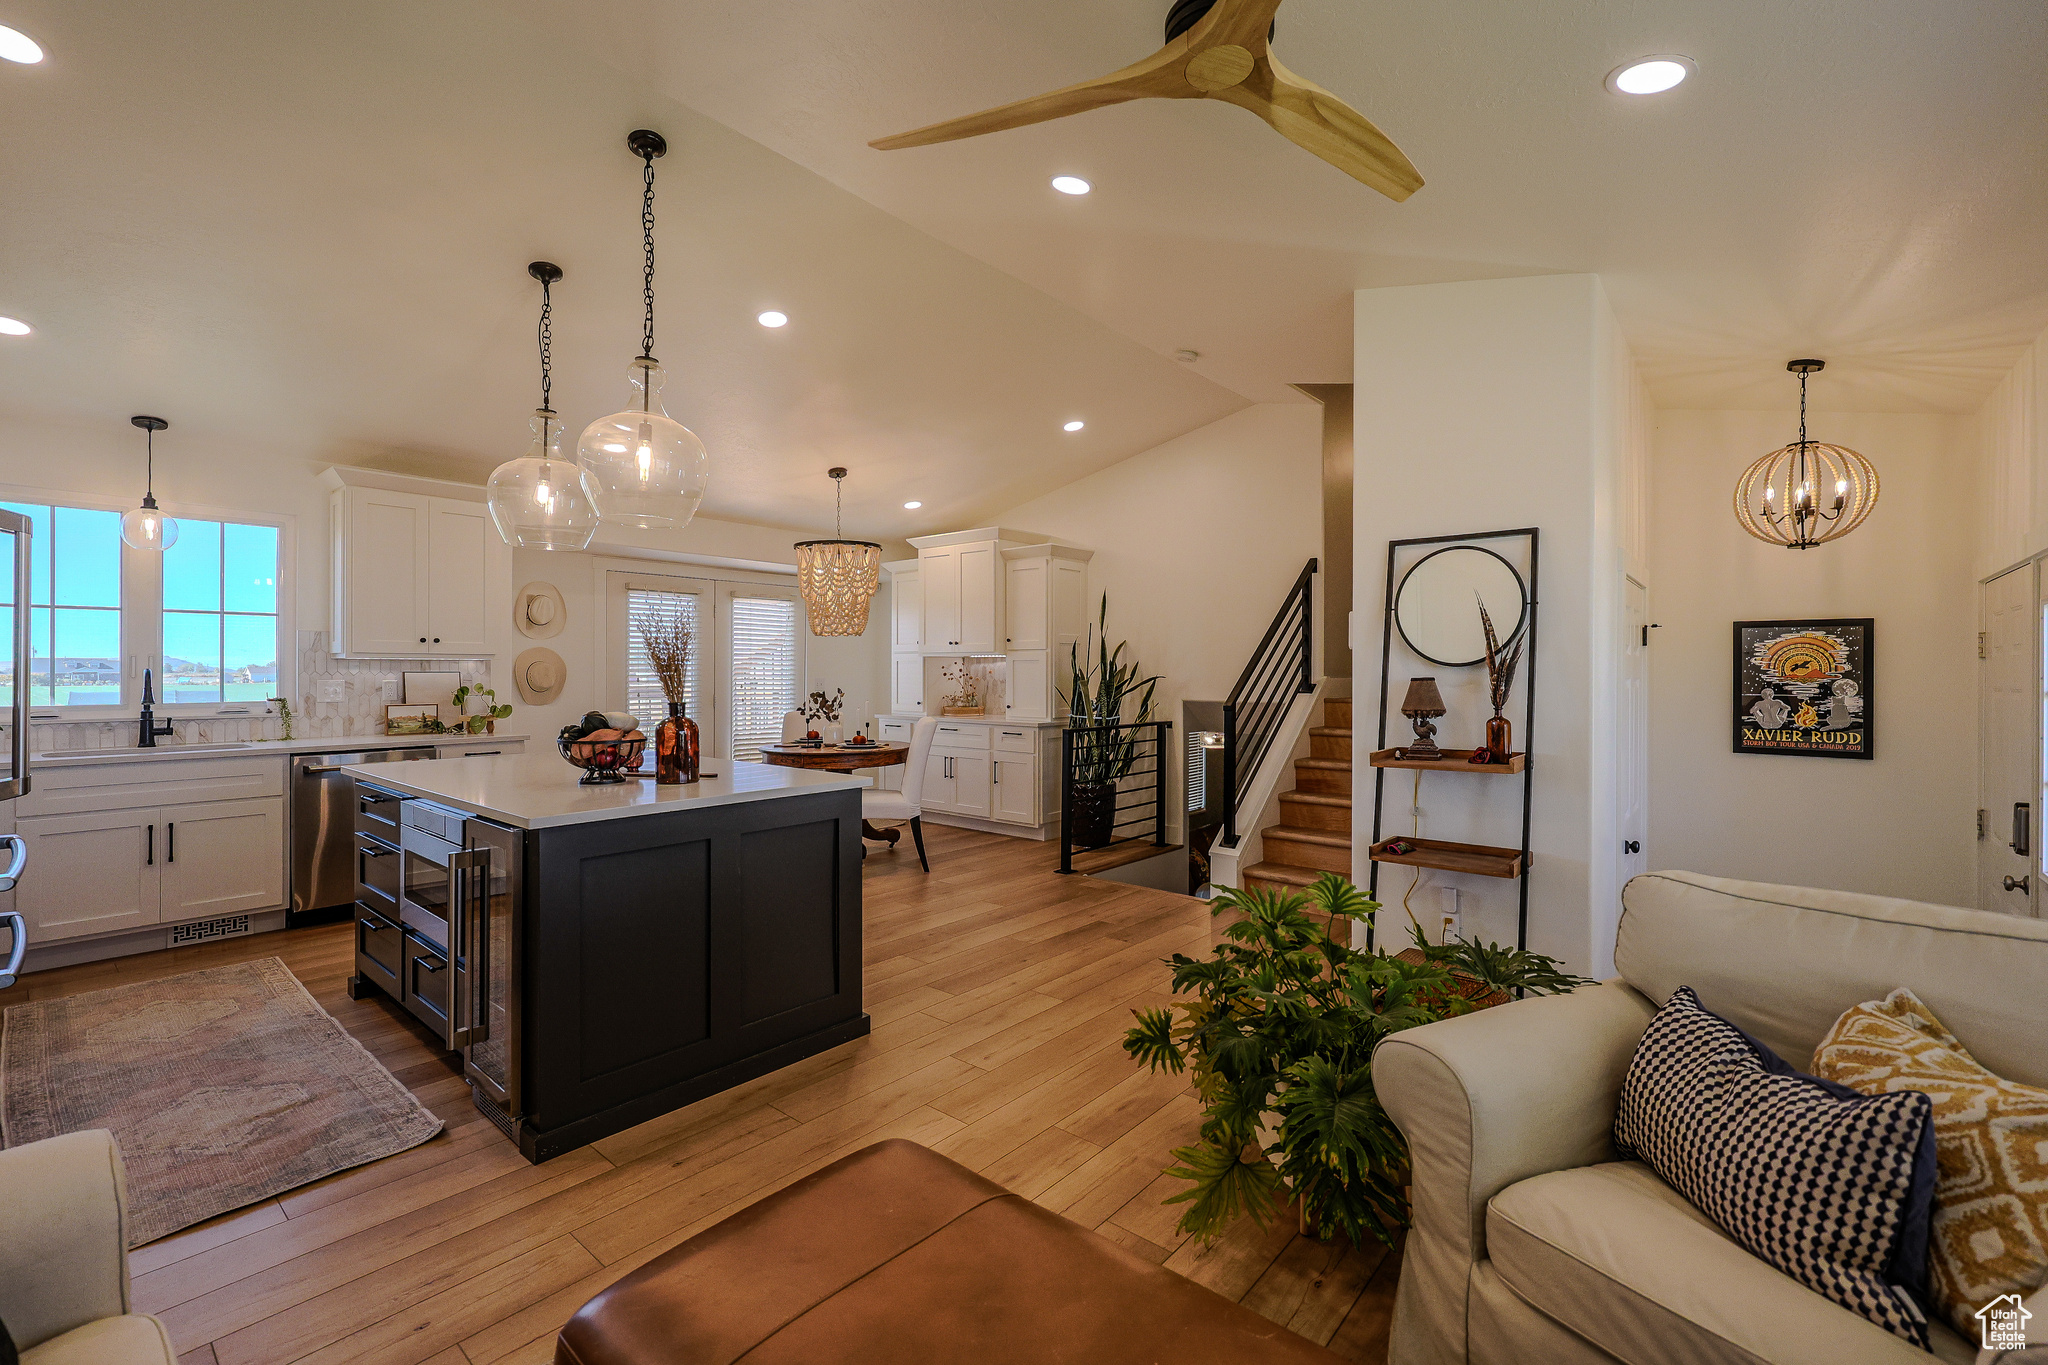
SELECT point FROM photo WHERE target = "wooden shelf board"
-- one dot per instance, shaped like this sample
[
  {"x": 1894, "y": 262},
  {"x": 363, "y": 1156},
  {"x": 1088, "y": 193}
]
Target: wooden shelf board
[
  {"x": 1453, "y": 761},
  {"x": 1480, "y": 859}
]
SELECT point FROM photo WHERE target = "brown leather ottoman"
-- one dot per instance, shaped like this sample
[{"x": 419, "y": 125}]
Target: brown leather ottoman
[{"x": 897, "y": 1254}]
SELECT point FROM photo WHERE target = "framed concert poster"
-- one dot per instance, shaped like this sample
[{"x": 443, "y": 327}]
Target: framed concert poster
[{"x": 1804, "y": 687}]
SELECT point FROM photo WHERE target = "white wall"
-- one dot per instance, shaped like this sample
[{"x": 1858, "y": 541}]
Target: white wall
[
  {"x": 1484, "y": 406},
  {"x": 1901, "y": 824},
  {"x": 1196, "y": 541}
]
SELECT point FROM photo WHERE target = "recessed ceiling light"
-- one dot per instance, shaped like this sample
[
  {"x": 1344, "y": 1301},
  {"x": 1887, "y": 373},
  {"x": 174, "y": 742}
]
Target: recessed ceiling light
[
  {"x": 1071, "y": 184},
  {"x": 9, "y": 327},
  {"x": 1650, "y": 75},
  {"x": 19, "y": 47},
  {"x": 771, "y": 318},
  {"x": 1075, "y": 425},
  {"x": 912, "y": 506}
]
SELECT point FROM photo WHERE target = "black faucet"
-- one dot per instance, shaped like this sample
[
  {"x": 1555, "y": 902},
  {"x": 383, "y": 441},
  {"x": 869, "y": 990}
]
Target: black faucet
[{"x": 150, "y": 729}]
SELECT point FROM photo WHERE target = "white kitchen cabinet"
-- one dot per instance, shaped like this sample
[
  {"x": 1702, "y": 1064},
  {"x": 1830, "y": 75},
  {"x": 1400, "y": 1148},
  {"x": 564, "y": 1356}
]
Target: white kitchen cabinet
[
  {"x": 1031, "y": 695},
  {"x": 963, "y": 608},
  {"x": 139, "y": 865},
  {"x": 1045, "y": 591},
  {"x": 412, "y": 574},
  {"x": 1015, "y": 788},
  {"x": 906, "y": 682},
  {"x": 891, "y": 730},
  {"x": 91, "y": 874},
  {"x": 458, "y": 548},
  {"x": 906, "y": 606},
  {"x": 961, "y": 785},
  {"x": 221, "y": 858}
]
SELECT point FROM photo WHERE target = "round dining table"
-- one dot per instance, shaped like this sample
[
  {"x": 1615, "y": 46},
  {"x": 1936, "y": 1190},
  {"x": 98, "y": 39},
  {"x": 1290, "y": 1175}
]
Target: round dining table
[{"x": 842, "y": 758}]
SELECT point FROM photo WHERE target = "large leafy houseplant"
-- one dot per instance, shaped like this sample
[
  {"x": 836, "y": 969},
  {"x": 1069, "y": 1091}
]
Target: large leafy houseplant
[
  {"x": 1281, "y": 1027},
  {"x": 1104, "y": 743}
]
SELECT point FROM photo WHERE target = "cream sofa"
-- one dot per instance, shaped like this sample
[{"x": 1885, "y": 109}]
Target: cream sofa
[
  {"x": 1532, "y": 1243},
  {"x": 64, "y": 1256}
]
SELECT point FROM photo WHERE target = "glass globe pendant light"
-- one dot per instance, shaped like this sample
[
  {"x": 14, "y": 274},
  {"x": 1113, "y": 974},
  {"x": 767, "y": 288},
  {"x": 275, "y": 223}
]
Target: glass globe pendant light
[
  {"x": 837, "y": 578},
  {"x": 541, "y": 501},
  {"x": 146, "y": 528},
  {"x": 646, "y": 469}
]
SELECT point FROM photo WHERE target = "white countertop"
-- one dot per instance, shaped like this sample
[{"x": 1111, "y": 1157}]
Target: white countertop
[
  {"x": 542, "y": 791},
  {"x": 258, "y": 748}
]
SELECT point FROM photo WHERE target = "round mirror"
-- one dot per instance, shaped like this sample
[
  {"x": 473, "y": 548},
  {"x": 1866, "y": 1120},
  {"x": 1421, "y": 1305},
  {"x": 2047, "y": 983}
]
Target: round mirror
[{"x": 1437, "y": 608}]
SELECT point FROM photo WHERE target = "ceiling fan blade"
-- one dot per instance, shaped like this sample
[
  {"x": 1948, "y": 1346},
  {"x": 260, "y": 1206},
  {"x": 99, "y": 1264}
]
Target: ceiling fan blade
[
  {"x": 1242, "y": 23},
  {"x": 1157, "y": 77},
  {"x": 1314, "y": 119}
]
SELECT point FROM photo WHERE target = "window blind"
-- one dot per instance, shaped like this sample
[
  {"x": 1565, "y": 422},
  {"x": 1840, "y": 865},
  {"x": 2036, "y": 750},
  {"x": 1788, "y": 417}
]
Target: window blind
[
  {"x": 645, "y": 609},
  {"x": 763, "y": 671}
]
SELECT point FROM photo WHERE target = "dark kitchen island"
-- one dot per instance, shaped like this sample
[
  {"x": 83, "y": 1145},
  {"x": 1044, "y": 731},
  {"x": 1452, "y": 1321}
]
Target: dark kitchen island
[{"x": 601, "y": 955}]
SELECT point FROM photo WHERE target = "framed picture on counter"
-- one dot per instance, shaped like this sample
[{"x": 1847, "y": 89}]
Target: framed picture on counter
[
  {"x": 1804, "y": 687},
  {"x": 421, "y": 719}
]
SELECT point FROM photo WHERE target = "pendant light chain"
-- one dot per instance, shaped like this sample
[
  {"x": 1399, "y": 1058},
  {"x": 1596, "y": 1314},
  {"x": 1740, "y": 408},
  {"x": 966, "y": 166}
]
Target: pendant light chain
[
  {"x": 547, "y": 353},
  {"x": 647, "y": 278},
  {"x": 149, "y": 467}
]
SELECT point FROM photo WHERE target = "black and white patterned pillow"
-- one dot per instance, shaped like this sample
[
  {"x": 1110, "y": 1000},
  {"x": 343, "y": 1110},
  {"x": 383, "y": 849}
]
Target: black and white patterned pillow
[{"x": 1820, "y": 1186}]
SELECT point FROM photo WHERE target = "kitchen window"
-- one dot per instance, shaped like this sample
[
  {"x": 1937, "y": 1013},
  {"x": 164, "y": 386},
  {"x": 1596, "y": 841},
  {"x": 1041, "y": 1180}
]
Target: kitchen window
[
  {"x": 746, "y": 656},
  {"x": 208, "y": 615}
]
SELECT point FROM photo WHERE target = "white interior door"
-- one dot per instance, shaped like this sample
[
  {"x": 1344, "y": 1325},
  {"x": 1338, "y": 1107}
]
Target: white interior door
[
  {"x": 1632, "y": 742},
  {"x": 2008, "y": 851}
]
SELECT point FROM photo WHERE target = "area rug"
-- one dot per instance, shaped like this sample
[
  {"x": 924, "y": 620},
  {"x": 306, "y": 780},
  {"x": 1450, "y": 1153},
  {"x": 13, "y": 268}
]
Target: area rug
[{"x": 223, "y": 1087}]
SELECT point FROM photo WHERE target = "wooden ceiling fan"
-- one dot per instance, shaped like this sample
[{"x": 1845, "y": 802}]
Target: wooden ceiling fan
[{"x": 1215, "y": 49}]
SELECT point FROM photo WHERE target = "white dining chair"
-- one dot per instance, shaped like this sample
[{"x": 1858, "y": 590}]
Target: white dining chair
[{"x": 903, "y": 805}]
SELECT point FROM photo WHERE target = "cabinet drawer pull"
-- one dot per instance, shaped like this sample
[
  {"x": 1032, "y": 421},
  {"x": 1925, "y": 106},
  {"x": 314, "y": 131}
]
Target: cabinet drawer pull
[
  {"x": 373, "y": 851},
  {"x": 171, "y": 842},
  {"x": 430, "y": 964},
  {"x": 374, "y": 926}
]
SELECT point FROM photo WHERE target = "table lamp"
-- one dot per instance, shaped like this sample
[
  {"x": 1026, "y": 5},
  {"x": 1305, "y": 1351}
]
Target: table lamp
[{"x": 1422, "y": 705}]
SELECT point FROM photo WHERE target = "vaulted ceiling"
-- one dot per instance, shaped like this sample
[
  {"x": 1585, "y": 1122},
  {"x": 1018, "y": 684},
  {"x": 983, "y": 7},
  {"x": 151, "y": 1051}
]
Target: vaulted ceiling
[{"x": 307, "y": 226}]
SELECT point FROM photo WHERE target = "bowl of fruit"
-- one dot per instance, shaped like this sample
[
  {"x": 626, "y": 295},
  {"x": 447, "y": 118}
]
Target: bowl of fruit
[{"x": 604, "y": 744}]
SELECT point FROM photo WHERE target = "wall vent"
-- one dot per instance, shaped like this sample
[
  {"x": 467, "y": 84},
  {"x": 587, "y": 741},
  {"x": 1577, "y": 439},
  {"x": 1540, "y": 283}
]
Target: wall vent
[{"x": 206, "y": 930}]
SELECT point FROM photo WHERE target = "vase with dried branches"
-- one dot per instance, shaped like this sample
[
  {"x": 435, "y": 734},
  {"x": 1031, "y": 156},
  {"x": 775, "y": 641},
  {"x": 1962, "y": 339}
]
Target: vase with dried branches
[
  {"x": 1500, "y": 680},
  {"x": 666, "y": 636}
]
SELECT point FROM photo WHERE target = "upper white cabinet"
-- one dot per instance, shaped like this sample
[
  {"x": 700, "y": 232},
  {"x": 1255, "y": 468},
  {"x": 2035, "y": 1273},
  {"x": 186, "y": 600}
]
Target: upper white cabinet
[
  {"x": 413, "y": 574},
  {"x": 961, "y": 588},
  {"x": 906, "y": 599},
  {"x": 1045, "y": 592}
]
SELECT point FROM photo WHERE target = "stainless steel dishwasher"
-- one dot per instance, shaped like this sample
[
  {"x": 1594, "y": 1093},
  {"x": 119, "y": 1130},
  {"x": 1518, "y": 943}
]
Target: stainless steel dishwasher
[{"x": 323, "y": 830}]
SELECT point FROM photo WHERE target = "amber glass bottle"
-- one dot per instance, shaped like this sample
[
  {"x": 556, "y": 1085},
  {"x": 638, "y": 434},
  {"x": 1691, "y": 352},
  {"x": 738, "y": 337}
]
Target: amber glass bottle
[{"x": 675, "y": 749}]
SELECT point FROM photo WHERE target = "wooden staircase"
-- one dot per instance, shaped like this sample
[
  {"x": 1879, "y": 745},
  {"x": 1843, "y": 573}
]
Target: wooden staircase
[{"x": 1314, "y": 833}]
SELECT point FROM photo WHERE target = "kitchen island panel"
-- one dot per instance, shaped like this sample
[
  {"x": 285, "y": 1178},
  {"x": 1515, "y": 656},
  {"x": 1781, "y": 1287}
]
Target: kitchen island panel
[{"x": 622, "y": 1022}]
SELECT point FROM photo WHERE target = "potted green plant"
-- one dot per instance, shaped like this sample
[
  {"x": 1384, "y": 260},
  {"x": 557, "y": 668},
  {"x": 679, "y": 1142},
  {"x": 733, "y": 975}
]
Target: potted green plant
[
  {"x": 486, "y": 719},
  {"x": 1279, "y": 1036},
  {"x": 1100, "y": 689}
]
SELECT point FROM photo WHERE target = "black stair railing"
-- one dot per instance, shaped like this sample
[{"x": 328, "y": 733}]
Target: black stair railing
[
  {"x": 1112, "y": 786},
  {"x": 1281, "y": 668}
]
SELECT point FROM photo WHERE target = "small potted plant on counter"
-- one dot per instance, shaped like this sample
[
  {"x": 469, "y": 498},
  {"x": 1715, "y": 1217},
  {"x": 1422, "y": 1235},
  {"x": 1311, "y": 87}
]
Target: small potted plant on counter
[{"x": 484, "y": 721}]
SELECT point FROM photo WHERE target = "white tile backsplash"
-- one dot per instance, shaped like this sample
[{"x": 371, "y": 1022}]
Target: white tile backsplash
[{"x": 360, "y": 712}]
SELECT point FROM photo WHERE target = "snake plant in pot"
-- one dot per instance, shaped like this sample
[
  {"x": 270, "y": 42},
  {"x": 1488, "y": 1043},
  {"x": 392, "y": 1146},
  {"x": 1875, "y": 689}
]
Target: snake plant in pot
[
  {"x": 1279, "y": 1036},
  {"x": 1101, "y": 688}
]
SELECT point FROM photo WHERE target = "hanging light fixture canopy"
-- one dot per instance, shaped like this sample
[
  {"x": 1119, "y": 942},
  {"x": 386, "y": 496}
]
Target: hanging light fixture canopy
[
  {"x": 1807, "y": 493},
  {"x": 146, "y": 528},
  {"x": 837, "y": 578},
  {"x": 541, "y": 501},
  {"x": 646, "y": 469}
]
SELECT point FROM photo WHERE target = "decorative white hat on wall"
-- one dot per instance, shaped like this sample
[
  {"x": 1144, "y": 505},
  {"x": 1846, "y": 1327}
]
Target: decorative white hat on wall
[
  {"x": 538, "y": 611},
  {"x": 540, "y": 675}
]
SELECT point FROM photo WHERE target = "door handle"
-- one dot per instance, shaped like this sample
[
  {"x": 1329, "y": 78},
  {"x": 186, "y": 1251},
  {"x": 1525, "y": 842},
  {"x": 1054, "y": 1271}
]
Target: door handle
[
  {"x": 2022, "y": 828},
  {"x": 2018, "y": 884},
  {"x": 1631, "y": 846},
  {"x": 316, "y": 769},
  {"x": 171, "y": 842},
  {"x": 149, "y": 856},
  {"x": 14, "y": 864}
]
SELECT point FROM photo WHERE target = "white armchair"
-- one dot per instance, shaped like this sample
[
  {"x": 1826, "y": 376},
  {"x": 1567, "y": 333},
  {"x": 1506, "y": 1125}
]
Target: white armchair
[
  {"x": 64, "y": 1256},
  {"x": 1531, "y": 1241},
  {"x": 903, "y": 805}
]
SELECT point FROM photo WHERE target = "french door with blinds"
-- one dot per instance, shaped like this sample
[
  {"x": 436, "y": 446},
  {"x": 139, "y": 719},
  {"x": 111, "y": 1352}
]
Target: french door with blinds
[{"x": 746, "y": 656}]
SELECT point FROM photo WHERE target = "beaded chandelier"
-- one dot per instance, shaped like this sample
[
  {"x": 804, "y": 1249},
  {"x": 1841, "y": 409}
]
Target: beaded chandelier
[
  {"x": 1809, "y": 492},
  {"x": 837, "y": 578}
]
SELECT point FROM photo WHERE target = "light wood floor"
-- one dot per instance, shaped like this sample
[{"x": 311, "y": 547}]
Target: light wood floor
[{"x": 998, "y": 990}]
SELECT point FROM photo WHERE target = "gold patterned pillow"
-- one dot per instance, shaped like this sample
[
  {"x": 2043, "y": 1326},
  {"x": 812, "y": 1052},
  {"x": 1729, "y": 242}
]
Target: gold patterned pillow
[{"x": 1990, "y": 1228}]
